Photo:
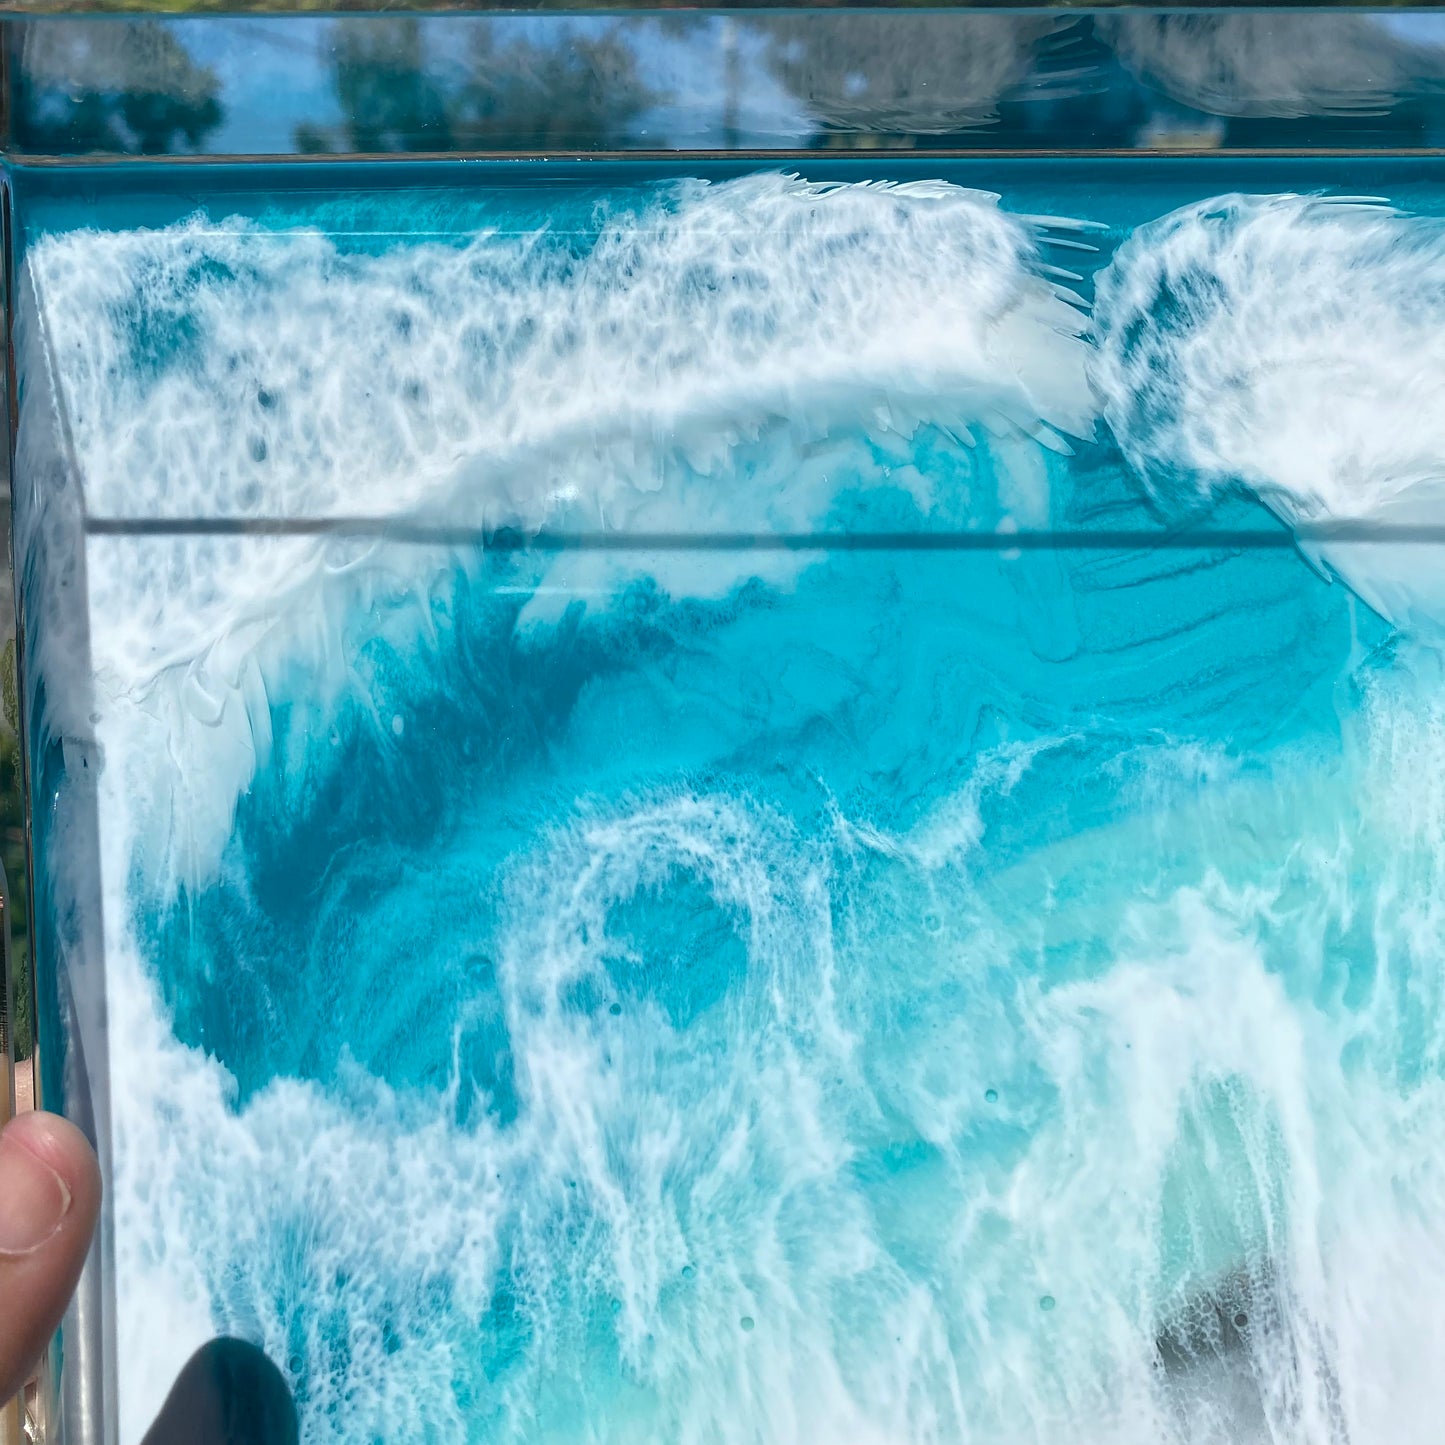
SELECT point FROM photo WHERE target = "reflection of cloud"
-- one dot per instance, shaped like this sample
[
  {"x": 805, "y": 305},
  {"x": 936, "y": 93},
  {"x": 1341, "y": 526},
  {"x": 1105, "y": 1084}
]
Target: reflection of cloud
[
  {"x": 273, "y": 72},
  {"x": 709, "y": 95},
  {"x": 918, "y": 74},
  {"x": 1270, "y": 65},
  {"x": 1417, "y": 29}
]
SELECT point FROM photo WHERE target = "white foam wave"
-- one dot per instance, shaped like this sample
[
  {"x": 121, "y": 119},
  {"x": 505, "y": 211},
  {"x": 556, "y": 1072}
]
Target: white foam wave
[
  {"x": 258, "y": 372},
  {"x": 1296, "y": 346},
  {"x": 208, "y": 370},
  {"x": 817, "y": 1153},
  {"x": 818, "y": 1146},
  {"x": 650, "y": 1149}
]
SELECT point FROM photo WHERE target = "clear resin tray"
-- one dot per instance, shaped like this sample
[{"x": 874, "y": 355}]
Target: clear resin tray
[{"x": 734, "y": 722}]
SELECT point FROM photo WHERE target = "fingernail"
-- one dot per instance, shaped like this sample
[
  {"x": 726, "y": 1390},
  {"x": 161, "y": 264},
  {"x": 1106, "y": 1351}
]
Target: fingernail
[{"x": 33, "y": 1198}]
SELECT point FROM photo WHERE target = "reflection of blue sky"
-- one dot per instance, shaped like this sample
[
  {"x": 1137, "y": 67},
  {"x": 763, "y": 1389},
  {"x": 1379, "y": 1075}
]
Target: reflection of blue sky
[
  {"x": 276, "y": 74},
  {"x": 692, "y": 71},
  {"x": 1417, "y": 29}
]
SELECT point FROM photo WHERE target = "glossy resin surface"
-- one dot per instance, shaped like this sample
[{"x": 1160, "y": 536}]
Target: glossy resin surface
[{"x": 747, "y": 801}]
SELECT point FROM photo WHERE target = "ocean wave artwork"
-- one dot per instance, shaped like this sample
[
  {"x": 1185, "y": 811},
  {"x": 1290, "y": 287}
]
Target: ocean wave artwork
[{"x": 755, "y": 810}]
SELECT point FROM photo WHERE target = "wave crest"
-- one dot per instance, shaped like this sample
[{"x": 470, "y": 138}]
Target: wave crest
[
  {"x": 1293, "y": 345},
  {"x": 519, "y": 377}
]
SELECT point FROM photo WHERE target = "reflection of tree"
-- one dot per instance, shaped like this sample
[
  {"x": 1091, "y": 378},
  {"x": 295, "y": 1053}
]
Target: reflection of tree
[
  {"x": 900, "y": 73},
  {"x": 586, "y": 92},
  {"x": 581, "y": 91},
  {"x": 1258, "y": 64},
  {"x": 125, "y": 85},
  {"x": 389, "y": 100}
]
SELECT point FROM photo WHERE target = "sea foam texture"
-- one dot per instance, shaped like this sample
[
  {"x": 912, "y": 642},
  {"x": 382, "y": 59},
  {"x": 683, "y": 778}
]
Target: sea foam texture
[
  {"x": 1295, "y": 346},
  {"x": 229, "y": 371},
  {"x": 794, "y": 1215},
  {"x": 807, "y": 1156},
  {"x": 515, "y": 380}
]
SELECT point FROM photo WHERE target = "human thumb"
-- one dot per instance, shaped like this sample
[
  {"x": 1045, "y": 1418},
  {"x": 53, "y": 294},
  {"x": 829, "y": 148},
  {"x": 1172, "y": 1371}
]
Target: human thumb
[{"x": 49, "y": 1198}]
